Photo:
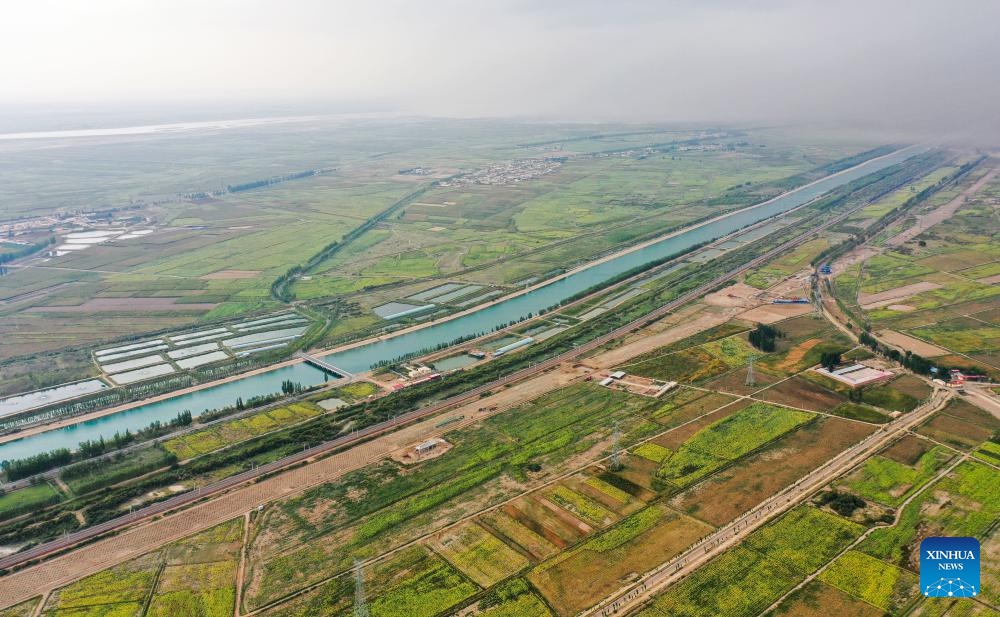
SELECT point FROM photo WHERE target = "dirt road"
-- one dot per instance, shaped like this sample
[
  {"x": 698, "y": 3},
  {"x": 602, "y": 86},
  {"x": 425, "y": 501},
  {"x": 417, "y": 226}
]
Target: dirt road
[
  {"x": 654, "y": 582},
  {"x": 943, "y": 213},
  {"x": 135, "y": 541}
]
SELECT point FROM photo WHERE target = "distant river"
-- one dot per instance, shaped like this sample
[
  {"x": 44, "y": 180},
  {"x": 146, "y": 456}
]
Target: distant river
[{"x": 361, "y": 358}]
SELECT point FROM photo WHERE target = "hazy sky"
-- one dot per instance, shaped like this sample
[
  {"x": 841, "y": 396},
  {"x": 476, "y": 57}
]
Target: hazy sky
[{"x": 899, "y": 62}]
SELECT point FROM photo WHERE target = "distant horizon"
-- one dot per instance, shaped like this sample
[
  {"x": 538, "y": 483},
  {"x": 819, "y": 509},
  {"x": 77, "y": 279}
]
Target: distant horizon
[{"x": 915, "y": 67}]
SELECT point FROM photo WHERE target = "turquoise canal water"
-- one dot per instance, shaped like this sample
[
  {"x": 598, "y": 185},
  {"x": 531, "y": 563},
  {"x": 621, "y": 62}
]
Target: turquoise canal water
[{"x": 361, "y": 358}]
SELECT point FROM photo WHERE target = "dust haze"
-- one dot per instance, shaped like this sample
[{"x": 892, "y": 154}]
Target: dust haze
[{"x": 918, "y": 67}]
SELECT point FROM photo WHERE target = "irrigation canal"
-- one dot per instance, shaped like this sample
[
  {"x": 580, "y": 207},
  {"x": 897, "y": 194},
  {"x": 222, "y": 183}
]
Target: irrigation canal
[{"x": 360, "y": 358}]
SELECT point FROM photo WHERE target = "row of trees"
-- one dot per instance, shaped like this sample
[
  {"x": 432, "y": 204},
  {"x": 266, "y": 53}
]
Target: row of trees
[
  {"x": 256, "y": 184},
  {"x": 885, "y": 220},
  {"x": 18, "y": 469},
  {"x": 910, "y": 360},
  {"x": 23, "y": 251},
  {"x": 281, "y": 287}
]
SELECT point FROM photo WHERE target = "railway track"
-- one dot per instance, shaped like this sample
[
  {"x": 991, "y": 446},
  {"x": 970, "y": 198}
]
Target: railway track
[{"x": 361, "y": 435}]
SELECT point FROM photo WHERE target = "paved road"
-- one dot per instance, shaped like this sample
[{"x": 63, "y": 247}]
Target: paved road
[
  {"x": 12, "y": 591},
  {"x": 652, "y": 583},
  {"x": 979, "y": 396},
  {"x": 389, "y": 425}
]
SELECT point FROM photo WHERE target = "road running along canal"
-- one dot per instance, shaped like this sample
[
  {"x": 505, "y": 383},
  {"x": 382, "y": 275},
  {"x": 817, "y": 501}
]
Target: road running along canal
[{"x": 361, "y": 358}]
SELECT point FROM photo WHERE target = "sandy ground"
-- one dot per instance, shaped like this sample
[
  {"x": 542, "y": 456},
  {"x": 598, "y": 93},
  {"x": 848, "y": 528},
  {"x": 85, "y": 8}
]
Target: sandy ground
[
  {"x": 915, "y": 345},
  {"x": 883, "y": 298},
  {"x": 644, "y": 342},
  {"x": 740, "y": 295},
  {"x": 941, "y": 214},
  {"x": 855, "y": 256}
]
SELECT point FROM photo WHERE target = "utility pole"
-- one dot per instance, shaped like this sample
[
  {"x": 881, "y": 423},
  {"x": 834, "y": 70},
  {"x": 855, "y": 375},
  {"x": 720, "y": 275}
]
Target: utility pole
[
  {"x": 615, "y": 463},
  {"x": 360, "y": 601},
  {"x": 751, "y": 378}
]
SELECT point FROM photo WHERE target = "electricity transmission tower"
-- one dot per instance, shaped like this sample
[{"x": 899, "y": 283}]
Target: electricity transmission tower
[
  {"x": 751, "y": 378},
  {"x": 615, "y": 463},
  {"x": 360, "y": 602}
]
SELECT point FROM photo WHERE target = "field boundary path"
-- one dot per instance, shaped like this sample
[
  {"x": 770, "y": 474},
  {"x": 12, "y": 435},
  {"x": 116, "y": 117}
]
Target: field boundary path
[
  {"x": 266, "y": 483},
  {"x": 732, "y": 534},
  {"x": 941, "y": 213},
  {"x": 899, "y": 514}
]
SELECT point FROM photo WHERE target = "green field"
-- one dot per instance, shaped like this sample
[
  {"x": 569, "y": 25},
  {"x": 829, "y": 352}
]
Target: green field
[
  {"x": 194, "y": 576},
  {"x": 117, "y": 469},
  {"x": 234, "y": 431},
  {"x": 727, "y": 440},
  {"x": 22, "y": 501},
  {"x": 889, "y": 482},
  {"x": 747, "y": 579},
  {"x": 958, "y": 256},
  {"x": 870, "y": 580}
]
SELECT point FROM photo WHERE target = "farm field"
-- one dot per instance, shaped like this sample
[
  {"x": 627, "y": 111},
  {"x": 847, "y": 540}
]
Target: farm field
[
  {"x": 936, "y": 286},
  {"x": 115, "y": 469},
  {"x": 25, "y": 500},
  {"x": 580, "y": 577},
  {"x": 889, "y": 482},
  {"x": 738, "y": 488},
  {"x": 193, "y": 268},
  {"x": 194, "y": 576},
  {"x": 961, "y": 425},
  {"x": 747, "y": 579},
  {"x": 727, "y": 440},
  {"x": 235, "y": 431},
  {"x": 379, "y": 508},
  {"x": 526, "y": 512}
]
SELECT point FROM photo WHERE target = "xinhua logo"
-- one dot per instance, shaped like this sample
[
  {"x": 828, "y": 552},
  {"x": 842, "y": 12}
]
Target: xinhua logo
[{"x": 949, "y": 567}]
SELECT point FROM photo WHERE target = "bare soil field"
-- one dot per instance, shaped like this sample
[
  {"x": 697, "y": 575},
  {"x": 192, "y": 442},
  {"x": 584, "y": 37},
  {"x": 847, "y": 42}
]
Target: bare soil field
[
  {"x": 907, "y": 450},
  {"x": 817, "y": 599},
  {"x": 991, "y": 280},
  {"x": 877, "y": 300},
  {"x": 739, "y": 295},
  {"x": 639, "y": 471},
  {"x": 770, "y": 313},
  {"x": 905, "y": 341},
  {"x": 798, "y": 392},
  {"x": 700, "y": 321},
  {"x": 797, "y": 353},
  {"x": 951, "y": 430},
  {"x": 911, "y": 385},
  {"x": 963, "y": 410},
  {"x": 736, "y": 489}
]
